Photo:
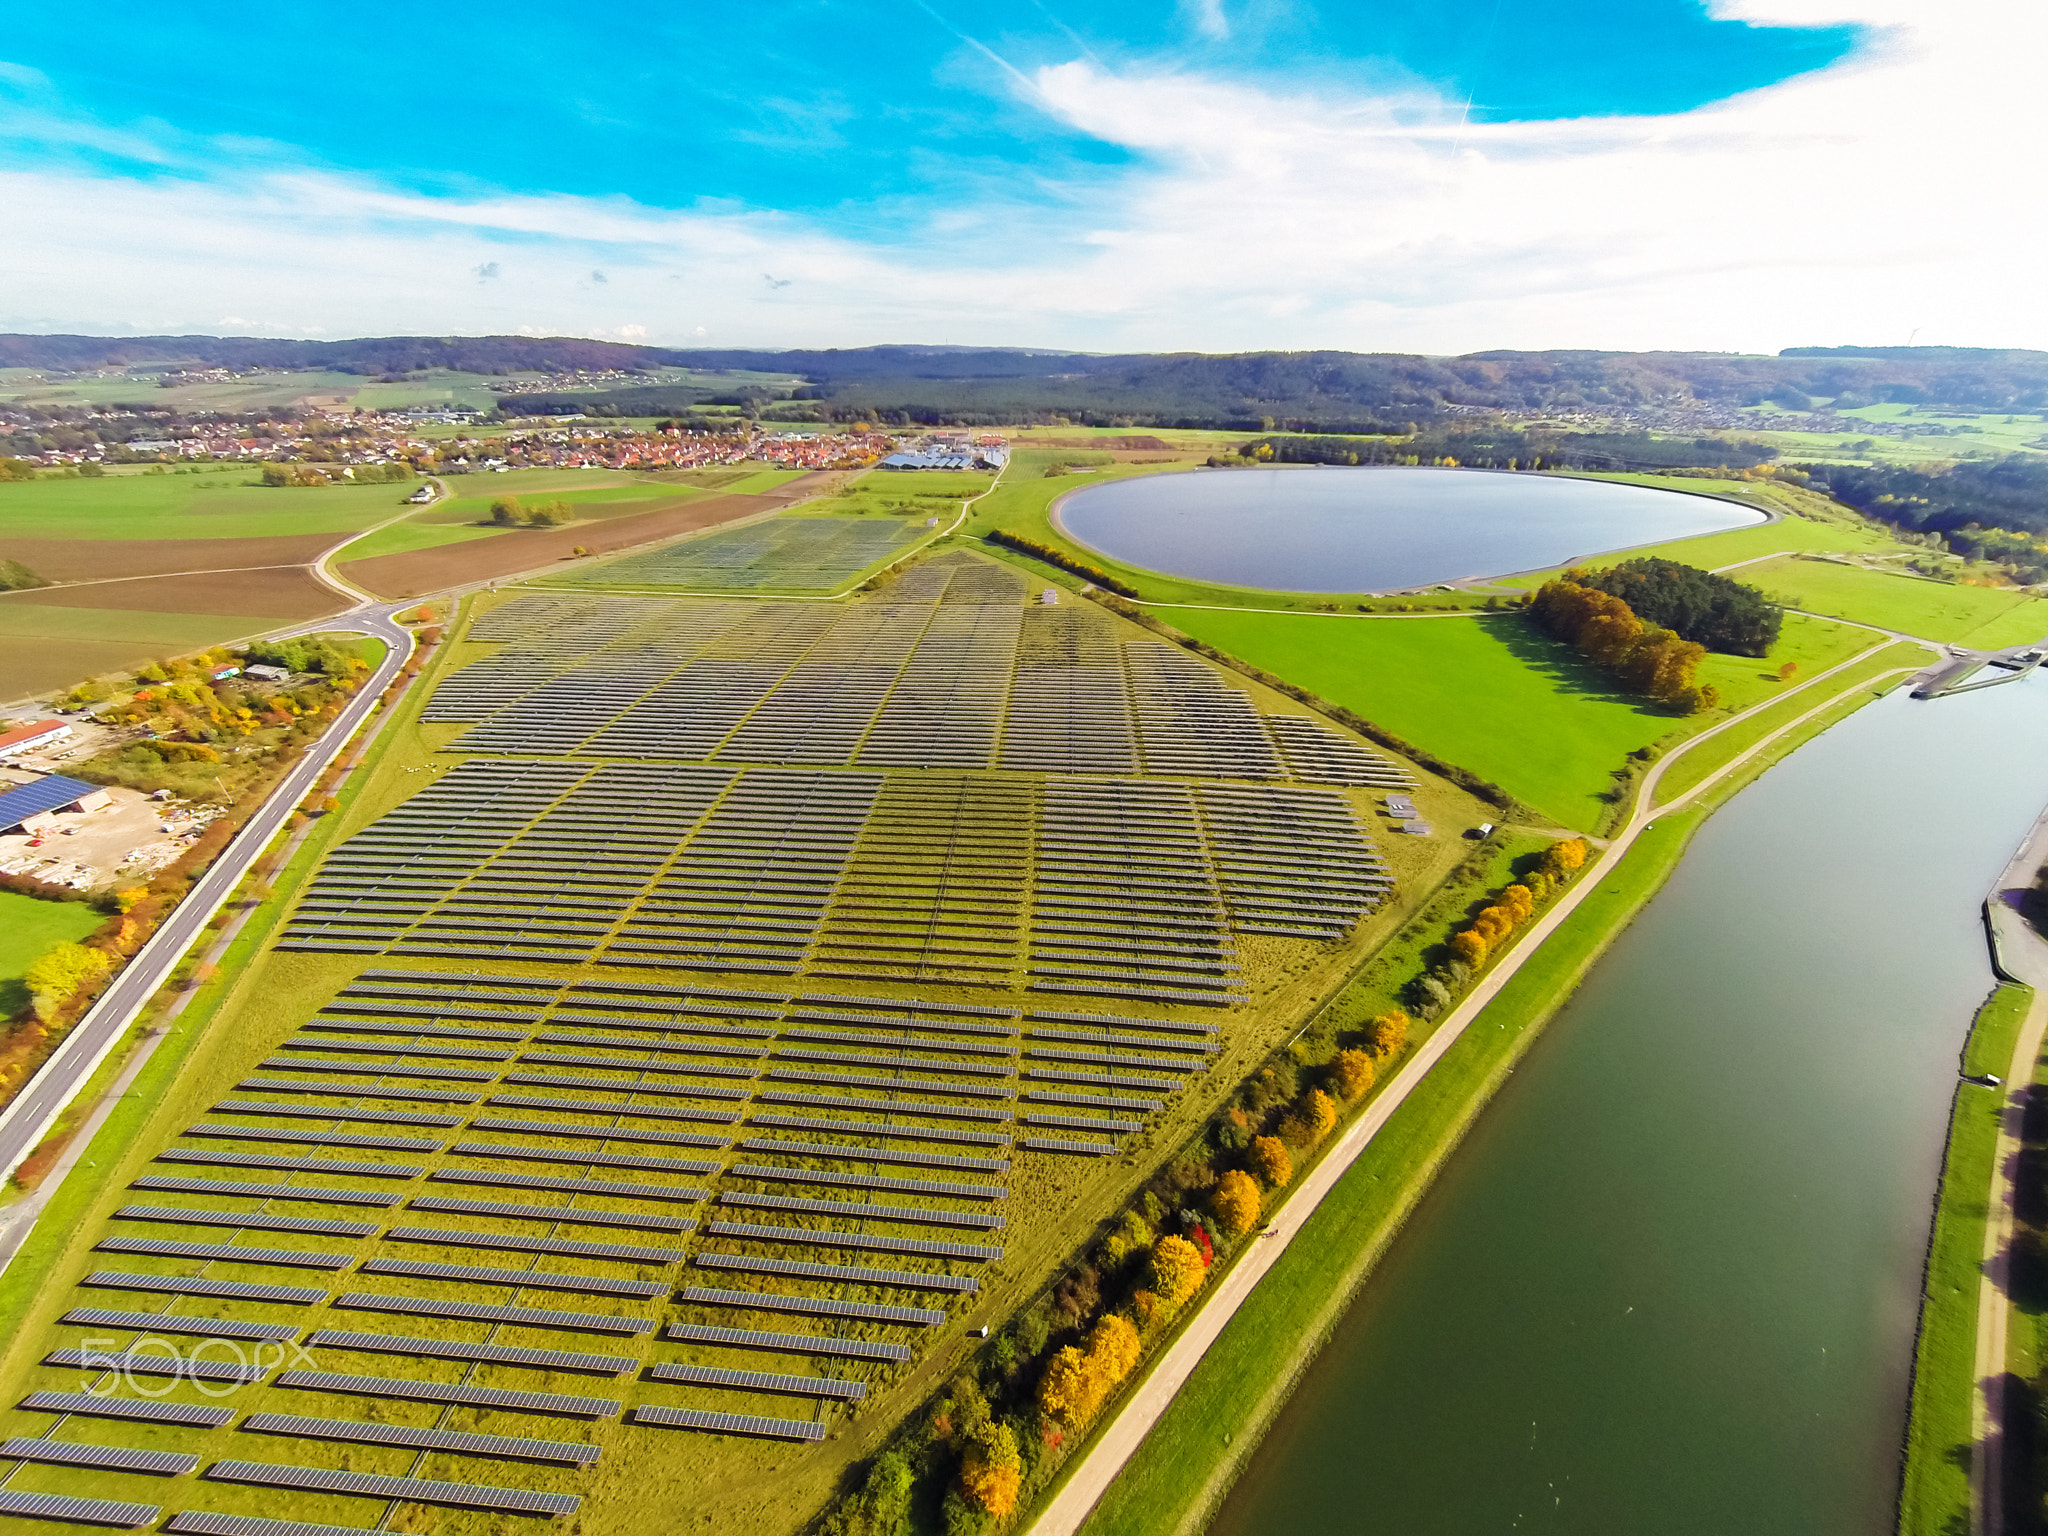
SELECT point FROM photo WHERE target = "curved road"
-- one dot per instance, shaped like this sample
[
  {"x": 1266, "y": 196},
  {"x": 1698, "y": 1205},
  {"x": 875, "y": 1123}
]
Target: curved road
[{"x": 27, "y": 1120}]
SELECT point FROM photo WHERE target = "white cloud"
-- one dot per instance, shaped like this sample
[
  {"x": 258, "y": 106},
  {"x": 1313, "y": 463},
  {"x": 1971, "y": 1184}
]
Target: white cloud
[{"x": 1897, "y": 191}]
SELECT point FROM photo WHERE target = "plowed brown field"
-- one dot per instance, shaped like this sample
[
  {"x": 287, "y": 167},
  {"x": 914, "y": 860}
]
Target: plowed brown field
[
  {"x": 281, "y": 594},
  {"x": 99, "y": 559},
  {"x": 420, "y": 571}
]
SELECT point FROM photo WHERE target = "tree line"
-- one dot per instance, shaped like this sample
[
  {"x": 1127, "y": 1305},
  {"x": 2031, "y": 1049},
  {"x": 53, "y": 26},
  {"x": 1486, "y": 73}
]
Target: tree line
[
  {"x": 1717, "y": 611},
  {"x": 1061, "y": 560},
  {"x": 1511, "y": 448},
  {"x": 1644, "y": 658}
]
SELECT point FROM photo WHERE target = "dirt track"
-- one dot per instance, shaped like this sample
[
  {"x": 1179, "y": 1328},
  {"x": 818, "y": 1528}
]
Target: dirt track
[{"x": 421, "y": 571}]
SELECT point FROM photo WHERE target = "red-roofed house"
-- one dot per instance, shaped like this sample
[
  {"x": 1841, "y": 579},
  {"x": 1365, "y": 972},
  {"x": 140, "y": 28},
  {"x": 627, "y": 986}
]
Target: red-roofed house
[{"x": 27, "y": 738}]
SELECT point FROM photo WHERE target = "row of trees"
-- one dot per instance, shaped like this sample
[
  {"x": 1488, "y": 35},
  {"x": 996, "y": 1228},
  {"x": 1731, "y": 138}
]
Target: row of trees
[
  {"x": 1502, "y": 447},
  {"x": 1465, "y": 954},
  {"x": 510, "y": 512},
  {"x": 1644, "y": 658},
  {"x": 1715, "y": 611},
  {"x": 1061, "y": 560},
  {"x": 313, "y": 475}
]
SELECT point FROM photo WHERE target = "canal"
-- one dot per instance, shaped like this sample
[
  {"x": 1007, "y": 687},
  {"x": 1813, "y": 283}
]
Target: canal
[{"x": 1669, "y": 1283}]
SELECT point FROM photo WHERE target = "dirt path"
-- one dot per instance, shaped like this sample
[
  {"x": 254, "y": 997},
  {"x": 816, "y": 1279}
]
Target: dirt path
[{"x": 1086, "y": 1483}]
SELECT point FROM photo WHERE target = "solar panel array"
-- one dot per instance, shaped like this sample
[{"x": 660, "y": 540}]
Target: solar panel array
[
  {"x": 793, "y": 553},
  {"x": 799, "y": 841}
]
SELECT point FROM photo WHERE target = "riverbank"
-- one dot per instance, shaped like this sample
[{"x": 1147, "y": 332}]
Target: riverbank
[
  {"x": 1196, "y": 1448},
  {"x": 1934, "y": 1493},
  {"x": 1165, "y": 1438}
]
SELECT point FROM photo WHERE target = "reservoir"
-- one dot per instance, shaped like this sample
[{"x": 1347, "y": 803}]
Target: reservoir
[
  {"x": 1669, "y": 1282},
  {"x": 1372, "y": 529}
]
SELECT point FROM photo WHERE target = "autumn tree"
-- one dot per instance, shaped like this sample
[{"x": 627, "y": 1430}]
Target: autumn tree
[
  {"x": 61, "y": 974},
  {"x": 1177, "y": 1267},
  {"x": 1470, "y": 947},
  {"x": 1788, "y": 671},
  {"x": 1313, "y": 1119},
  {"x": 1063, "y": 1390},
  {"x": 1520, "y": 901},
  {"x": 991, "y": 1472},
  {"x": 1236, "y": 1202},
  {"x": 1388, "y": 1034},
  {"x": 1113, "y": 1346},
  {"x": 1269, "y": 1160},
  {"x": 1351, "y": 1073}
]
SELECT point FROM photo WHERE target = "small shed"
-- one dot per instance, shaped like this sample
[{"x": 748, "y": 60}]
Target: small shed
[
  {"x": 264, "y": 673},
  {"x": 34, "y": 807},
  {"x": 222, "y": 674},
  {"x": 1050, "y": 596}
]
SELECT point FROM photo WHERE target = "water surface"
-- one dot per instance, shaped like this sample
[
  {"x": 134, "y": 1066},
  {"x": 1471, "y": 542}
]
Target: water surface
[
  {"x": 1375, "y": 528},
  {"x": 1669, "y": 1283}
]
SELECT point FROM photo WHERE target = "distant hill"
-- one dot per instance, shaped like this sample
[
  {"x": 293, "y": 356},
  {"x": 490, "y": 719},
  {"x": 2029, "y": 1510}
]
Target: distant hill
[{"x": 1354, "y": 391}]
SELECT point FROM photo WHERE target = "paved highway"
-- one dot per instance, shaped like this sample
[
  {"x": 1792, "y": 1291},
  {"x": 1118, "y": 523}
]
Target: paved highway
[{"x": 28, "y": 1119}]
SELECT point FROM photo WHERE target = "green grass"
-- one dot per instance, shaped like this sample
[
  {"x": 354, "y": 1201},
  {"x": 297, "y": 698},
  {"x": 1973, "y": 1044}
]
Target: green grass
[
  {"x": 1936, "y": 1486},
  {"x": 1495, "y": 696},
  {"x": 208, "y": 506},
  {"x": 173, "y": 631},
  {"x": 30, "y": 928},
  {"x": 402, "y": 538},
  {"x": 1709, "y": 756},
  {"x": 1183, "y": 1466},
  {"x": 1979, "y": 617}
]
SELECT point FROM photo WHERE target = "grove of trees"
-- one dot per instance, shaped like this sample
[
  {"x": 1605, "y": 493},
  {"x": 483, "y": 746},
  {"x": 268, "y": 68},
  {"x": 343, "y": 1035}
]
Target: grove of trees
[
  {"x": 1716, "y": 611},
  {"x": 1644, "y": 658}
]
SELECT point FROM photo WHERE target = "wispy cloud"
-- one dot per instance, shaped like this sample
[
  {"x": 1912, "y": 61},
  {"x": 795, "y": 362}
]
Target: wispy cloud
[{"x": 1888, "y": 193}]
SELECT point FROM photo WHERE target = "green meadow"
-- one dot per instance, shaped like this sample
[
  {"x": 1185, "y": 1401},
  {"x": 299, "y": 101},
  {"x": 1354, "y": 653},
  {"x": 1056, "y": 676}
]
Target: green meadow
[
  {"x": 1979, "y": 617},
  {"x": 1494, "y": 695},
  {"x": 30, "y": 927},
  {"x": 220, "y": 505}
]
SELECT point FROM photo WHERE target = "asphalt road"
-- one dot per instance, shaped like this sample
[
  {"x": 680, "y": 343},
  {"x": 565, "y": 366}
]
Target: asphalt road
[{"x": 28, "y": 1119}]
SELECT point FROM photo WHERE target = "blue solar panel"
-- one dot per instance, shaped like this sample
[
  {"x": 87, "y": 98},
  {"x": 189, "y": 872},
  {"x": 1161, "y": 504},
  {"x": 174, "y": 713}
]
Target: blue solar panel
[{"x": 43, "y": 795}]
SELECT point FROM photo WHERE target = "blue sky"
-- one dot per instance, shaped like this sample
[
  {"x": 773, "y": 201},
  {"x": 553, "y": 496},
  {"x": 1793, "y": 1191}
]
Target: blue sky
[{"x": 1221, "y": 173}]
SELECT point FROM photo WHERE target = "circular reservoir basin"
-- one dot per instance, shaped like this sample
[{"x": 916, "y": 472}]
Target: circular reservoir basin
[{"x": 1377, "y": 528}]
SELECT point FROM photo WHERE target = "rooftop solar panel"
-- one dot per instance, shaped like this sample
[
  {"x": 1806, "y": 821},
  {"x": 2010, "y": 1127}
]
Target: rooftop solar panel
[
  {"x": 462, "y": 1442},
  {"x": 482, "y": 1312},
  {"x": 108, "y": 1458},
  {"x": 141, "y": 1410},
  {"x": 419, "y": 1490},
  {"x": 406, "y": 1389},
  {"x": 455, "y": 1349}
]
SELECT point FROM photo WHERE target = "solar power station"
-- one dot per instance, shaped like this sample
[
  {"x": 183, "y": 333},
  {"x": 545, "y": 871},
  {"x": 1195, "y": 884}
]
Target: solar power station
[{"x": 738, "y": 973}]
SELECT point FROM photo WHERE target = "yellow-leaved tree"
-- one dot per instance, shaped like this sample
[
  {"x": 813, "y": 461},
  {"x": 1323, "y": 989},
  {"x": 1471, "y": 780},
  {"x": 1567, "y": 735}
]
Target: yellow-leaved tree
[
  {"x": 1351, "y": 1073},
  {"x": 1236, "y": 1202},
  {"x": 1063, "y": 1391},
  {"x": 1113, "y": 1350},
  {"x": 1177, "y": 1272},
  {"x": 1269, "y": 1160},
  {"x": 1388, "y": 1034},
  {"x": 62, "y": 973},
  {"x": 992, "y": 1471},
  {"x": 1313, "y": 1119}
]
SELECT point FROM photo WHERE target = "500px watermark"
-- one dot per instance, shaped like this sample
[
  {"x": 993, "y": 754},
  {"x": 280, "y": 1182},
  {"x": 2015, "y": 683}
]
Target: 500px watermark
[{"x": 155, "y": 1367}]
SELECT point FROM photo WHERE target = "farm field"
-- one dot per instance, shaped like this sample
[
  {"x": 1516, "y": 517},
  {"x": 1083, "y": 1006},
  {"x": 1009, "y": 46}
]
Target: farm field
[
  {"x": 222, "y": 504},
  {"x": 45, "y": 647},
  {"x": 1978, "y": 617},
  {"x": 855, "y": 944},
  {"x": 1494, "y": 695}
]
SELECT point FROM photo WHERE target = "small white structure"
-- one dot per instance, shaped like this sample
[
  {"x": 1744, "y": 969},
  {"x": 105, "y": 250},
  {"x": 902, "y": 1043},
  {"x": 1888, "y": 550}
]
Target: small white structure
[
  {"x": 28, "y": 738},
  {"x": 1050, "y": 596},
  {"x": 267, "y": 674}
]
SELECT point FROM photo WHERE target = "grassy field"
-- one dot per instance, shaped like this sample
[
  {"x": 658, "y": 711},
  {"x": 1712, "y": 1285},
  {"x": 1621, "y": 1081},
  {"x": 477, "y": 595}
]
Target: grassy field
[
  {"x": 1185, "y": 1464},
  {"x": 29, "y": 927},
  {"x": 1495, "y": 696},
  {"x": 1936, "y": 1487},
  {"x": 1978, "y": 617},
  {"x": 216, "y": 505}
]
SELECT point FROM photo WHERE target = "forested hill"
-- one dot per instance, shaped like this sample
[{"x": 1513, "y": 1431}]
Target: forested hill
[{"x": 1330, "y": 390}]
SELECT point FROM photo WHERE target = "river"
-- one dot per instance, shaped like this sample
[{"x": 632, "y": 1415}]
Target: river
[{"x": 1669, "y": 1282}]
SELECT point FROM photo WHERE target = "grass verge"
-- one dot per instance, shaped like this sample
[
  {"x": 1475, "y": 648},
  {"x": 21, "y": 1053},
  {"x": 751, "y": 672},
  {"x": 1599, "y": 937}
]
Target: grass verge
[{"x": 1935, "y": 1489}]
